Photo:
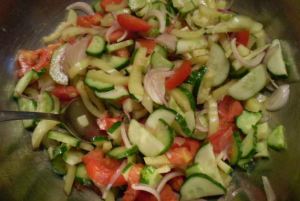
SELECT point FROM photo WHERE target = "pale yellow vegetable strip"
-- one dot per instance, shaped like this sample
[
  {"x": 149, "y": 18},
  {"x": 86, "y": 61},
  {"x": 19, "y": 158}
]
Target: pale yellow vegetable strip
[
  {"x": 222, "y": 91},
  {"x": 97, "y": 101},
  {"x": 111, "y": 79},
  {"x": 147, "y": 103},
  {"x": 70, "y": 178},
  {"x": 56, "y": 101},
  {"x": 213, "y": 117},
  {"x": 114, "y": 7},
  {"x": 75, "y": 31},
  {"x": 72, "y": 17},
  {"x": 42, "y": 129},
  {"x": 110, "y": 195},
  {"x": 205, "y": 87},
  {"x": 128, "y": 105},
  {"x": 139, "y": 114},
  {"x": 99, "y": 63},
  {"x": 87, "y": 102},
  {"x": 181, "y": 99},
  {"x": 188, "y": 34},
  {"x": 57, "y": 33},
  {"x": 135, "y": 85},
  {"x": 79, "y": 67}
]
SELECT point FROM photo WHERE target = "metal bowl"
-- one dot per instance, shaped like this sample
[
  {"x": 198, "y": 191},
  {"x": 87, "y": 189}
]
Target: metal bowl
[{"x": 27, "y": 174}]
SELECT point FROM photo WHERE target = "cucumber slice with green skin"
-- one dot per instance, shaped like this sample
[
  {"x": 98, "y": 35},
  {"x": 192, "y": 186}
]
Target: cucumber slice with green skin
[
  {"x": 46, "y": 102},
  {"x": 147, "y": 143},
  {"x": 224, "y": 167},
  {"x": 97, "y": 7},
  {"x": 118, "y": 93},
  {"x": 193, "y": 169},
  {"x": 246, "y": 120},
  {"x": 59, "y": 166},
  {"x": 245, "y": 164},
  {"x": 41, "y": 72},
  {"x": 81, "y": 175},
  {"x": 184, "y": 99},
  {"x": 162, "y": 50},
  {"x": 126, "y": 170},
  {"x": 56, "y": 68},
  {"x": 61, "y": 137},
  {"x": 183, "y": 128},
  {"x": 97, "y": 85},
  {"x": 187, "y": 45},
  {"x": 276, "y": 65},
  {"x": 276, "y": 138},
  {"x": 117, "y": 46},
  {"x": 199, "y": 186},
  {"x": 24, "y": 82},
  {"x": 206, "y": 158},
  {"x": 237, "y": 74},
  {"x": 198, "y": 135},
  {"x": 116, "y": 62},
  {"x": 165, "y": 135},
  {"x": 190, "y": 6},
  {"x": 60, "y": 149},
  {"x": 158, "y": 61},
  {"x": 27, "y": 105},
  {"x": 252, "y": 41},
  {"x": 196, "y": 78},
  {"x": 262, "y": 150},
  {"x": 250, "y": 143},
  {"x": 122, "y": 152},
  {"x": 150, "y": 176},
  {"x": 99, "y": 140},
  {"x": 250, "y": 84},
  {"x": 114, "y": 133},
  {"x": 136, "y": 5},
  {"x": 73, "y": 157},
  {"x": 163, "y": 113},
  {"x": 236, "y": 151},
  {"x": 96, "y": 47},
  {"x": 219, "y": 64}
]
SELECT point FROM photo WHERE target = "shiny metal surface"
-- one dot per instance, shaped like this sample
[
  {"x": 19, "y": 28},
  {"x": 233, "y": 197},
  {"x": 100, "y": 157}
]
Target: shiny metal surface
[{"x": 27, "y": 175}]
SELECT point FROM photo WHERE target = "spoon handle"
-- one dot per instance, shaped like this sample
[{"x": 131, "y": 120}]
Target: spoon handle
[{"x": 16, "y": 115}]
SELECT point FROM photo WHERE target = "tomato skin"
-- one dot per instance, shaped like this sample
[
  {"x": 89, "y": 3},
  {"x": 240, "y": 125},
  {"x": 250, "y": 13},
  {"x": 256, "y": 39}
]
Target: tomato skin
[
  {"x": 176, "y": 183},
  {"x": 149, "y": 44},
  {"x": 102, "y": 172},
  {"x": 95, "y": 155},
  {"x": 230, "y": 108},
  {"x": 117, "y": 34},
  {"x": 133, "y": 178},
  {"x": 65, "y": 93},
  {"x": 105, "y": 123},
  {"x": 131, "y": 23},
  {"x": 179, "y": 75},
  {"x": 105, "y": 3},
  {"x": 124, "y": 53},
  {"x": 221, "y": 140},
  {"x": 179, "y": 156},
  {"x": 166, "y": 195},
  {"x": 89, "y": 20},
  {"x": 242, "y": 38},
  {"x": 191, "y": 144}
]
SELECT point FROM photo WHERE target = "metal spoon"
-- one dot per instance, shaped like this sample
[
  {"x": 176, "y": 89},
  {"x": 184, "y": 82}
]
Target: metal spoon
[{"x": 68, "y": 118}]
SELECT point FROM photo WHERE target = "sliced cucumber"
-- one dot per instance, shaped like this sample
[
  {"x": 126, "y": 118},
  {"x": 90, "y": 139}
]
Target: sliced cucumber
[
  {"x": 116, "y": 62},
  {"x": 187, "y": 45},
  {"x": 99, "y": 140},
  {"x": 61, "y": 137},
  {"x": 122, "y": 152},
  {"x": 206, "y": 158},
  {"x": 162, "y": 50},
  {"x": 276, "y": 138},
  {"x": 56, "y": 69},
  {"x": 81, "y": 175},
  {"x": 237, "y": 74},
  {"x": 193, "y": 169},
  {"x": 196, "y": 78},
  {"x": 96, "y": 47},
  {"x": 27, "y": 105},
  {"x": 158, "y": 61},
  {"x": 184, "y": 99},
  {"x": 117, "y": 46},
  {"x": 59, "y": 166},
  {"x": 126, "y": 170},
  {"x": 224, "y": 167},
  {"x": 262, "y": 150},
  {"x": 150, "y": 176},
  {"x": 23, "y": 83},
  {"x": 250, "y": 84},
  {"x": 249, "y": 143},
  {"x": 246, "y": 120},
  {"x": 276, "y": 65},
  {"x": 98, "y": 85},
  {"x": 136, "y": 5},
  {"x": 157, "y": 161},
  {"x": 97, "y": 6},
  {"x": 73, "y": 157},
  {"x": 198, "y": 135},
  {"x": 118, "y": 93},
  {"x": 263, "y": 131},
  {"x": 46, "y": 103},
  {"x": 199, "y": 186},
  {"x": 245, "y": 164},
  {"x": 235, "y": 153},
  {"x": 218, "y": 63},
  {"x": 60, "y": 149},
  {"x": 165, "y": 135},
  {"x": 114, "y": 133},
  {"x": 163, "y": 113},
  {"x": 181, "y": 126},
  {"x": 190, "y": 6}
]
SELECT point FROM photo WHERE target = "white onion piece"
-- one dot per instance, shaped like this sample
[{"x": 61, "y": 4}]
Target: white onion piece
[
  {"x": 199, "y": 125},
  {"x": 268, "y": 188},
  {"x": 166, "y": 178},
  {"x": 76, "y": 52},
  {"x": 86, "y": 8},
  {"x": 270, "y": 52},
  {"x": 124, "y": 136},
  {"x": 167, "y": 40},
  {"x": 161, "y": 16},
  {"x": 247, "y": 63},
  {"x": 114, "y": 178},
  {"x": 147, "y": 188},
  {"x": 278, "y": 99},
  {"x": 273, "y": 83},
  {"x": 112, "y": 29},
  {"x": 123, "y": 36},
  {"x": 179, "y": 140},
  {"x": 114, "y": 7}
]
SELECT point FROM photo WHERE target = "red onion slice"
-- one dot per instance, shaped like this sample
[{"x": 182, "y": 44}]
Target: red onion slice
[
  {"x": 166, "y": 178},
  {"x": 268, "y": 188},
  {"x": 270, "y": 52},
  {"x": 125, "y": 137},
  {"x": 167, "y": 40},
  {"x": 86, "y": 8},
  {"x": 76, "y": 52},
  {"x": 123, "y": 36},
  {"x": 115, "y": 26},
  {"x": 161, "y": 16},
  {"x": 147, "y": 188}
]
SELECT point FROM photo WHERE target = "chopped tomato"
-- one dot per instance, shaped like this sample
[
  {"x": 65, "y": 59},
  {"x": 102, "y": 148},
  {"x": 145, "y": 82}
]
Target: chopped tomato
[
  {"x": 221, "y": 140},
  {"x": 230, "y": 108},
  {"x": 179, "y": 75},
  {"x": 176, "y": 183},
  {"x": 114, "y": 36},
  {"x": 105, "y": 123},
  {"x": 89, "y": 20},
  {"x": 149, "y": 44},
  {"x": 166, "y": 195},
  {"x": 65, "y": 93},
  {"x": 95, "y": 155},
  {"x": 102, "y": 171},
  {"x": 243, "y": 38},
  {"x": 191, "y": 144},
  {"x": 31, "y": 60},
  {"x": 105, "y": 3},
  {"x": 131, "y": 23},
  {"x": 179, "y": 156},
  {"x": 124, "y": 52},
  {"x": 133, "y": 178},
  {"x": 122, "y": 100}
]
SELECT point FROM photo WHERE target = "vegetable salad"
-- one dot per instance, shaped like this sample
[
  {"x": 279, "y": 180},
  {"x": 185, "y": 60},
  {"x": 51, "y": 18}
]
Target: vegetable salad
[{"x": 178, "y": 88}]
